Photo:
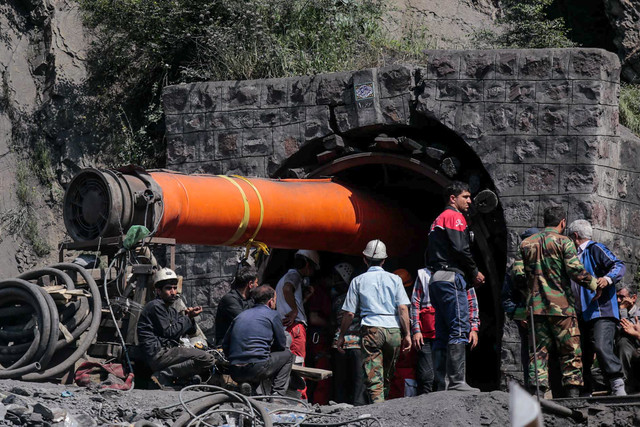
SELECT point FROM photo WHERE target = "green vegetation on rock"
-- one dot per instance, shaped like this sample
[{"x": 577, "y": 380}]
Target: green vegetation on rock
[
  {"x": 630, "y": 107},
  {"x": 526, "y": 25},
  {"x": 141, "y": 46}
]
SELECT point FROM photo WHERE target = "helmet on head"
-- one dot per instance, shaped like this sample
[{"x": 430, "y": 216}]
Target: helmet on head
[
  {"x": 407, "y": 280},
  {"x": 375, "y": 250},
  {"x": 311, "y": 255},
  {"x": 163, "y": 277},
  {"x": 345, "y": 270}
]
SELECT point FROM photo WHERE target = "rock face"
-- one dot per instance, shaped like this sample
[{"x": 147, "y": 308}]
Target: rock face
[
  {"x": 449, "y": 23},
  {"x": 624, "y": 16},
  {"x": 42, "y": 54}
]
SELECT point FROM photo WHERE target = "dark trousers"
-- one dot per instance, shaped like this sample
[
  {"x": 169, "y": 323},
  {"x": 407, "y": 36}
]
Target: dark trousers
[
  {"x": 598, "y": 337},
  {"x": 523, "y": 332},
  {"x": 348, "y": 379},
  {"x": 452, "y": 311},
  {"x": 277, "y": 368},
  {"x": 168, "y": 357},
  {"x": 630, "y": 359},
  {"x": 424, "y": 368}
]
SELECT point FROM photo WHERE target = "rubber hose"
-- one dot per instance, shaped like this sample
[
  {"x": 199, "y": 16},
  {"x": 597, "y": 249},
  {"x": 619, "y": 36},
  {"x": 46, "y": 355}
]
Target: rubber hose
[
  {"x": 96, "y": 315},
  {"x": 33, "y": 275},
  {"x": 7, "y": 353},
  {"x": 199, "y": 407},
  {"x": 21, "y": 290},
  {"x": 27, "y": 355},
  {"x": 15, "y": 311},
  {"x": 207, "y": 402}
]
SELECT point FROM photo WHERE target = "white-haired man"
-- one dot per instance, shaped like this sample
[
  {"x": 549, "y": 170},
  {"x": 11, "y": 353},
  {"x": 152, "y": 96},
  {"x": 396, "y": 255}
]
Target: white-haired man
[{"x": 600, "y": 316}]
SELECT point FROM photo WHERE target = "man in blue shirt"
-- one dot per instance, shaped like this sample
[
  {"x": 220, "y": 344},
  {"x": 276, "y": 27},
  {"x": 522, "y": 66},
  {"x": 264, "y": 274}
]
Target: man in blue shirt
[
  {"x": 382, "y": 302},
  {"x": 599, "y": 316},
  {"x": 256, "y": 344}
]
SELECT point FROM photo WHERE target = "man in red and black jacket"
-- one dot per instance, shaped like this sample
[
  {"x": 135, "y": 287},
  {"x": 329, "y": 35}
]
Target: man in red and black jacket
[{"x": 449, "y": 258}]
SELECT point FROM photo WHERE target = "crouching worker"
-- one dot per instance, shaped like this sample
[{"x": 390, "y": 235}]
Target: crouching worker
[
  {"x": 256, "y": 344},
  {"x": 160, "y": 328}
]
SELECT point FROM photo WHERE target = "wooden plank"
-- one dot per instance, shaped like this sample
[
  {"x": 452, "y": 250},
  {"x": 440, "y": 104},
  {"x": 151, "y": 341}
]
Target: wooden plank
[{"x": 314, "y": 374}]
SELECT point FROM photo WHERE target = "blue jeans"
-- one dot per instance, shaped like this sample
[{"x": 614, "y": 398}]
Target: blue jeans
[{"x": 452, "y": 311}]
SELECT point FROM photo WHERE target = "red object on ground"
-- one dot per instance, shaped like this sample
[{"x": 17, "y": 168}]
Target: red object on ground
[
  {"x": 405, "y": 369},
  {"x": 108, "y": 375}
]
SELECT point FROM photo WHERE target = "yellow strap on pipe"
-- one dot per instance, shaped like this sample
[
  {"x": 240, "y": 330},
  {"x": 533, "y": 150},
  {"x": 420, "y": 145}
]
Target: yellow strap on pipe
[
  {"x": 251, "y": 242},
  {"x": 244, "y": 223}
]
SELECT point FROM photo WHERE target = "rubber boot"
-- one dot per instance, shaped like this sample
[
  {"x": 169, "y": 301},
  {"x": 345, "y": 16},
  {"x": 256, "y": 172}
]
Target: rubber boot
[
  {"x": 456, "y": 368},
  {"x": 617, "y": 387},
  {"x": 572, "y": 391},
  {"x": 439, "y": 369}
]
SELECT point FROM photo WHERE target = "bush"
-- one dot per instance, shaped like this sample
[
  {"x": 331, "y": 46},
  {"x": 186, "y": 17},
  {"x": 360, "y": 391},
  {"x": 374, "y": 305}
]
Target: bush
[
  {"x": 526, "y": 25},
  {"x": 630, "y": 107}
]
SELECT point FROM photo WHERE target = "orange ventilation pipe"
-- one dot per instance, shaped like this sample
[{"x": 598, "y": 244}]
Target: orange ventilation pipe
[{"x": 232, "y": 211}]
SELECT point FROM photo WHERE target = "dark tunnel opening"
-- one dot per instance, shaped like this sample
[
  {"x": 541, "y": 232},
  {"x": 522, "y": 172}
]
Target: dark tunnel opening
[{"x": 414, "y": 182}]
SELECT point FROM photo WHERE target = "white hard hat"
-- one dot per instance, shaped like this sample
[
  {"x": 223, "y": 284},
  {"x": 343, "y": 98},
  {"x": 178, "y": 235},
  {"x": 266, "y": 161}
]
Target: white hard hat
[
  {"x": 375, "y": 250},
  {"x": 310, "y": 255},
  {"x": 345, "y": 270},
  {"x": 163, "y": 276}
]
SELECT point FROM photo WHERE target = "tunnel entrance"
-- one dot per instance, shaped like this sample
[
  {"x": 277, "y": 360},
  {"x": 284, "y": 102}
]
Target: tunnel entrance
[{"x": 414, "y": 182}]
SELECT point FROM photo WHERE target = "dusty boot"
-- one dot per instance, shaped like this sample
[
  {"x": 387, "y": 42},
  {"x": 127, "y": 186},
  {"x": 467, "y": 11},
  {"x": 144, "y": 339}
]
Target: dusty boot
[
  {"x": 572, "y": 391},
  {"x": 439, "y": 369},
  {"x": 456, "y": 358},
  {"x": 617, "y": 387}
]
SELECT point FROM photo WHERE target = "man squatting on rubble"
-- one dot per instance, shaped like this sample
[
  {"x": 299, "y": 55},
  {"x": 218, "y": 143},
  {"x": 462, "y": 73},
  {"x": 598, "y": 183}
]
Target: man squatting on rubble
[
  {"x": 423, "y": 317},
  {"x": 545, "y": 262},
  {"x": 160, "y": 328},
  {"x": 628, "y": 338},
  {"x": 236, "y": 300},
  {"x": 380, "y": 298},
  {"x": 256, "y": 344},
  {"x": 449, "y": 259},
  {"x": 600, "y": 316}
]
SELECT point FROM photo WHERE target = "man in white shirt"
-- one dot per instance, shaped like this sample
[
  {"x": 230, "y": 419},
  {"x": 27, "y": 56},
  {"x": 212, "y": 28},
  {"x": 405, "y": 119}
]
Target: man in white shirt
[{"x": 382, "y": 302}]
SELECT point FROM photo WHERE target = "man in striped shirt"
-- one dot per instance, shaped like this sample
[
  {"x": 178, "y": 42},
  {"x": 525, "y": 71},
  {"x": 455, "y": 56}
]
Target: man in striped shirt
[{"x": 423, "y": 333}]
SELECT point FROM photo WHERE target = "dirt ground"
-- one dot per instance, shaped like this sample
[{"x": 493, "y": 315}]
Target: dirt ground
[{"x": 70, "y": 406}]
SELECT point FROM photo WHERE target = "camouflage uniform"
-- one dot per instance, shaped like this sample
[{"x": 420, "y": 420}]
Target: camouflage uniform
[
  {"x": 380, "y": 348},
  {"x": 544, "y": 265}
]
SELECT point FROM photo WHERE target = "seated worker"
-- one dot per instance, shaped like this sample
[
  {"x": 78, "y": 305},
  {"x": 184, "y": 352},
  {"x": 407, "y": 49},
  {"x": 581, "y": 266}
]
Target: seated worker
[
  {"x": 160, "y": 328},
  {"x": 256, "y": 344},
  {"x": 236, "y": 300},
  {"x": 628, "y": 337}
]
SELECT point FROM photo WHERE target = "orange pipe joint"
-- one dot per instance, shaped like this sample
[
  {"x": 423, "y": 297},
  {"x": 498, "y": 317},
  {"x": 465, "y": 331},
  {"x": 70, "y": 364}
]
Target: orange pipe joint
[{"x": 318, "y": 214}]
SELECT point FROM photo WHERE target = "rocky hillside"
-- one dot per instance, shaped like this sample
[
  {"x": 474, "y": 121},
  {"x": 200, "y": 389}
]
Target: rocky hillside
[{"x": 44, "y": 131}]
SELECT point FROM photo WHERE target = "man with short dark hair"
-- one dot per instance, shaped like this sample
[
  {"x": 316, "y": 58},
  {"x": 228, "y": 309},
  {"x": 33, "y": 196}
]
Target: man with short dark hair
[
  {"x": 599, "y": 316},
  {"x": 628, "y": 337},
  {"x": 236, "y": 300},
  {"x": 544, "y": 265},
  {"x": 449, "y": 259},
  {"x": 383, "y": 304},
  {"x": 256, "y": 344},
  {"x": 160, "y": 328}
]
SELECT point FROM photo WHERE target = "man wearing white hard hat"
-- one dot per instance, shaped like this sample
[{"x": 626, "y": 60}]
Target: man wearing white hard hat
[
  {"x": 383, "y": 304},
  {"x": 290, "y": 300},
  {"x": 160, "y": 328}
]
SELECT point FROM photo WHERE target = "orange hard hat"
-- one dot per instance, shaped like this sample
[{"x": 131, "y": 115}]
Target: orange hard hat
[{"x": 407, "y": 279}]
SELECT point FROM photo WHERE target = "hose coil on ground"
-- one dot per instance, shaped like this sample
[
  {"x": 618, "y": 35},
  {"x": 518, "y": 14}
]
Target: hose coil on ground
[{"x": 34, "y": 325}]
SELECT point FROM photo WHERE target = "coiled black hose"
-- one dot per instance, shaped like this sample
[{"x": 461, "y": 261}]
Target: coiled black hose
[
  {"x": 21, "y": 291},
  {"x": 87, "y": 339},
  {"x": 25, "y": 298}
]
